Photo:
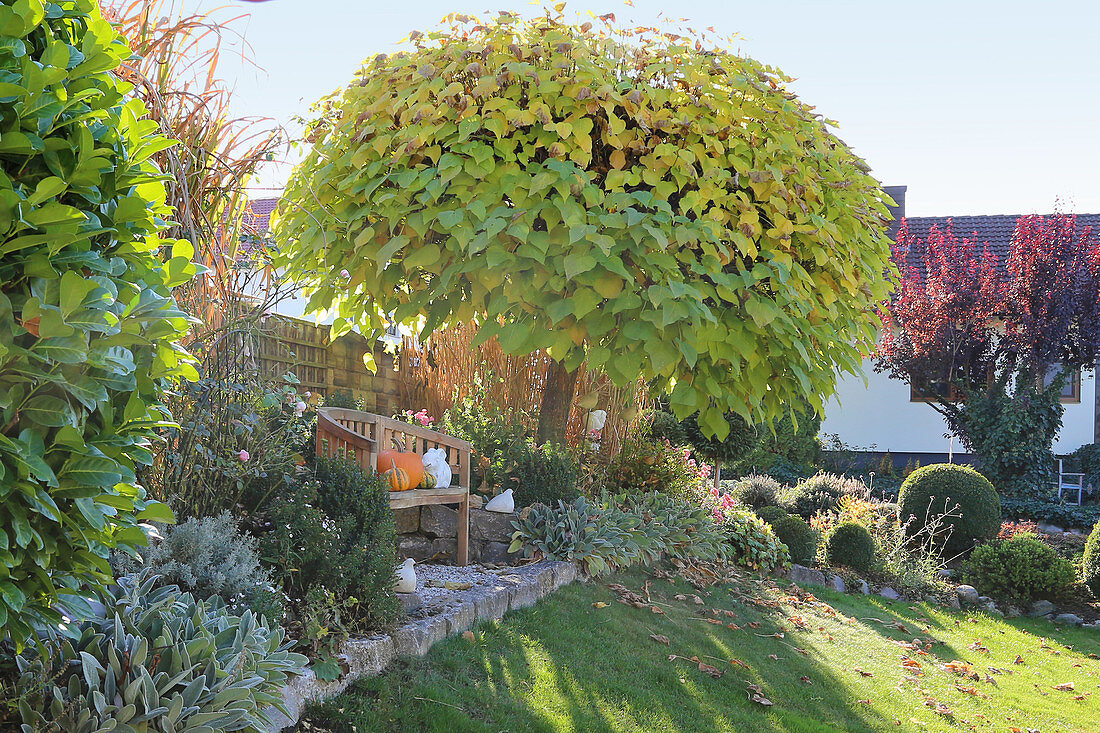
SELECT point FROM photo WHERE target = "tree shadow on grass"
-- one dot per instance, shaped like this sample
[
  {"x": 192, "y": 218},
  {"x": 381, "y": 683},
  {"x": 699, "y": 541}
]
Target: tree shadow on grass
[{"x": 565, "y": 665}]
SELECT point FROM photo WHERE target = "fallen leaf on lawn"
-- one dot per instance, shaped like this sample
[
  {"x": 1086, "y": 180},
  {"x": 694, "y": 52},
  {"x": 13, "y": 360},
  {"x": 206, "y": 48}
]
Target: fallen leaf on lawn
[
  {"x": 712, "y": 671},
  {"x": 680, "y": 597},
  {"x": 452, "y": 585},
  {"x": 698, "y": 601},
  {"x": 753, "y": 624},
  {"x": 735, "y": 627},
  {"x": 863, "y": 673},
  {"x": 773, "y": 657},
  {"x": 659, "y": 638},
  {"x": 1064, "y": 687},
  {"x": 977, "y": 647},
  {"x": 713, "y": 621},
  {"x": 738, "y": 663},
  {"x": 600, "y": 604},
  {"x": 801, "y": 651},
  {"x": 1081, "y": 697},
  {"x": 1018, "y": 660},
  {"x": 910, "y": 664},
  {"x": 805, "y": 680},
  {"x": 864, "y": 702},
  {"x": 468, "y": 635},
  {"x": 654, "y": 609},
  {"x": 756, "y": 695}
]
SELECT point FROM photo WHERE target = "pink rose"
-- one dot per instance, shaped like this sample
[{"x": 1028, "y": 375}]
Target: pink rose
[{"x": 243, "y": 456}]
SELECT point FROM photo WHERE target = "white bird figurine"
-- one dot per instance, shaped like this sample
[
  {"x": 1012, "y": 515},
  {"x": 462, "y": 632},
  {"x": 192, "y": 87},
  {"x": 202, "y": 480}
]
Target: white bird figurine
[
  {"x": 502, "y": 502},
  {"x": 406, "y": 577}
]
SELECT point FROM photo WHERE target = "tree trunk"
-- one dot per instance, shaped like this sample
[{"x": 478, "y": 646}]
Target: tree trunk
[{"x": 557, "y": 398}]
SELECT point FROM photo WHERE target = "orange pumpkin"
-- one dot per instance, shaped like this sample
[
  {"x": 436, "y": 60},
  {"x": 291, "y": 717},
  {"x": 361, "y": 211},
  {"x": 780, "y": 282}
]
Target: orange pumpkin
[
  {"x": 411, "y": 463},
  {"x": 399, "y": 479}
]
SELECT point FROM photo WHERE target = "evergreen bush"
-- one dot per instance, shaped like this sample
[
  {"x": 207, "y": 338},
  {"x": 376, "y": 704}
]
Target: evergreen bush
[
  {"x": 1020, "y": 569},
  {"x": 1090, "y": 568},
  {"x": 850, "y": 544},
  {"x": 958, "y": 498}
]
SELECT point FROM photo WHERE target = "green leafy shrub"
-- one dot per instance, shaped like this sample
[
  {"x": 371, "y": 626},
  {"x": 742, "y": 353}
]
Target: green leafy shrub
[
  {"x": 801, "y": 540},
  {"x": 342, "y": 398},
  {"x": 210, "y": 557},
  {"x": 1020, "y": 569},
  {"x": 1064, "y": 515},
  {"x": 1090, "y": 566},
  {"x": 850, "y": 544},
  {"x": 335, "y": 530},
  {"x": 160, "y": 662},
  {"x": 752, "y": 543},
  {"x": 242, "y": 437},
  {"x": 788, "y": 473},
  {"x": 644, "y": 465},
  {"x": 88, "y": 328},
  {"x": 612, "y": 533},
  {"x": 757, "y": 491},
  {"x": 969, "y": 505},
  {"x": 505, "y": 457},
  {"x": 598, "y": 539},
  {"x": 771, "y": 513},
  {"x": 676, "y": 528},
  {"x": 663, "y": 425},
  {"x": 820, "y": 493}
]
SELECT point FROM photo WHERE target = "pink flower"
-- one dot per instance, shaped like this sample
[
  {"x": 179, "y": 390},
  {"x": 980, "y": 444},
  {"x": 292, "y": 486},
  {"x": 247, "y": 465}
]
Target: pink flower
[
  {"x": 299, "y": 407},
  {"x": 243, "y": 456},
  {"x": 345, "y": 274}
]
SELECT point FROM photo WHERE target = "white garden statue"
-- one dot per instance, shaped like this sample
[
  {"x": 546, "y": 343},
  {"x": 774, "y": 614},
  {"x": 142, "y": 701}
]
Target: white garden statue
[
  {"x": 595, "y": 421},
  {"x": 406, "y": 577},
  {"x": 502, "y": 502},
  {"x": 435, "y": 464}
]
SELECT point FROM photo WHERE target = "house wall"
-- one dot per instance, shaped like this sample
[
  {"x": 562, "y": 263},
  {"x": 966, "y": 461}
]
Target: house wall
[{"x": 880, "y": 414}]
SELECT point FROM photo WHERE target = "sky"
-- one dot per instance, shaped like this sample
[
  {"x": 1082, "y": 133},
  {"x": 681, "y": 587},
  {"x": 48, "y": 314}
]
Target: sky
[{"x": 979, "y": 108}]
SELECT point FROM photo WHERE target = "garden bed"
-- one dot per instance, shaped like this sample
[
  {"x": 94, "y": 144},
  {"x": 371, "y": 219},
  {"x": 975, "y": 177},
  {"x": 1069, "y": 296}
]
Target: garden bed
[{"x": 444, "y": 610}]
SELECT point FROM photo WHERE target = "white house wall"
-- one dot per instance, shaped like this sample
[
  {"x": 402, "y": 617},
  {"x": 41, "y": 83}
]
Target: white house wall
[{"x": 879, "y": 414}]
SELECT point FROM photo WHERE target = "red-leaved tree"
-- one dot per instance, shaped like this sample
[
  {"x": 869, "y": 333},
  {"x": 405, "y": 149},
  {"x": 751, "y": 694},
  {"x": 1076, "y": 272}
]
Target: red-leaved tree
[{"x": 991, "y": 343}]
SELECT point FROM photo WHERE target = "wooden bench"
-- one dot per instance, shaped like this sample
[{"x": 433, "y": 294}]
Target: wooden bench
[{"x": 358, "y": 436}]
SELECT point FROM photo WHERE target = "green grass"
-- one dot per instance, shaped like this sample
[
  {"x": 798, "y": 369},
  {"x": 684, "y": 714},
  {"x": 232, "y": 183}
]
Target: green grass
[{"x": 566, "y": 665}]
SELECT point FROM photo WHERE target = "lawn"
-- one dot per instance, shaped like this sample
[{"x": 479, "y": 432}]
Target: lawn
[{"x": 582, "y": 661}]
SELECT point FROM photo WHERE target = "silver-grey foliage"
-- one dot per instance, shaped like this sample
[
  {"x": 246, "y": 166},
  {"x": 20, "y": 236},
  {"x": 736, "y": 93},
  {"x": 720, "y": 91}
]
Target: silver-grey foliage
[{"x": 161, "y": 662}]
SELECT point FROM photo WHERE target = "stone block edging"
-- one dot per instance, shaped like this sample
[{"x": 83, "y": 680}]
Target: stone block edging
[{"x": 520, "y": 588}]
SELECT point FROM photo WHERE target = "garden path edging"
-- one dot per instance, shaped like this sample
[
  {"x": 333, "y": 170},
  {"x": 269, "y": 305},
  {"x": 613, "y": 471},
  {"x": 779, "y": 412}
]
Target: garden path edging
[{"x": 521, "y": 587}]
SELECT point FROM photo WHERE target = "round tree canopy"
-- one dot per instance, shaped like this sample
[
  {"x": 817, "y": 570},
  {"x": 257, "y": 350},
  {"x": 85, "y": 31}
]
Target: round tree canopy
[{"x": 644, "y": 200}]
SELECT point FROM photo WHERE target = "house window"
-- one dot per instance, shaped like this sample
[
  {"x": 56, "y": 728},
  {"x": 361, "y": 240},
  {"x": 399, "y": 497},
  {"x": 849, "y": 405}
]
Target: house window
[
  {"x": 1071, "y": 390},
  {"x": 938, "y": 391}
]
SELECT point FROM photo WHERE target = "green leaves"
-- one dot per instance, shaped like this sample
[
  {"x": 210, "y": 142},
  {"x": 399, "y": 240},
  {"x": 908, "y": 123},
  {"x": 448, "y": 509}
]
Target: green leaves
[
  {"x": 86, "y": 300},
  {"x": 698, "y": 227}
]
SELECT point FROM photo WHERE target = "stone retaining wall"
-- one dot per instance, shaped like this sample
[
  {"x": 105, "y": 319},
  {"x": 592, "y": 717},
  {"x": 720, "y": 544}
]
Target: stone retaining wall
[
  {"x": 430, "y": 532},
  {"x": 520, "y": 588}
]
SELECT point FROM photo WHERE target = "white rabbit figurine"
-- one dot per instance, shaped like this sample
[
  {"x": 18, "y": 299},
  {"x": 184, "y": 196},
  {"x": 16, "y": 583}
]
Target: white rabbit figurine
[
  {"x": 406, "y": 577},
  {"x": 503, "y": 503},
  {"x": 435, "y": 463}
]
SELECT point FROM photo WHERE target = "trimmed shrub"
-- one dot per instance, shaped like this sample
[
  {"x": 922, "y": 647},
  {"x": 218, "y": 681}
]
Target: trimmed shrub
[
  {"x": 756, "y": 491},
  {"x": 801, "y": 539},
  {"x": 336, "y": 531},
  {"x": 771, "y": 513},
  {"x": 851, "y": 545},
  {"x": 159, "y": 662},
  {"x": 1020, "y": 569},
  {"x": 210, "y": 557},
  {"x": 753, "y": 544},
  {"x": 1090, "y": 570},
  {"x": 665, "y": 426},
  {"x": 935, "y": 491},
  {"x": 820, "y": 493},
  {"x": 542, "y": 474},
  {"x": 88, "y": 328}
]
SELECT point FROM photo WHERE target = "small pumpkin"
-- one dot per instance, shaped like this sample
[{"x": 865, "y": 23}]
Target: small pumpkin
[
  {"x": 409, "y": 462},
  {"x": 428, "y": 482},
  {"x": 398, "y": 479}
]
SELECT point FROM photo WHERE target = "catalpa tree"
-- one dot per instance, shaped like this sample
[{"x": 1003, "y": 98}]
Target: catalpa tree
[
  {"x": 644, "y": 201},
  {"x": 991, "y": 344}
]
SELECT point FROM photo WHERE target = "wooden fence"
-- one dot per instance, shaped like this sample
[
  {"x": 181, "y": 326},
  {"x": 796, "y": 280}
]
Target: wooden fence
[{"x": 301, "y": 347}]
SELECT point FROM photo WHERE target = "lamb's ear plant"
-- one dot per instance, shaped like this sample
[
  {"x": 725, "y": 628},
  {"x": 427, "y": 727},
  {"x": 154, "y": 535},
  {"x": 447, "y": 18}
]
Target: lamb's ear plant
[
  {"x": 162, "y": 662},
  {"x": 88, "y": 327}
]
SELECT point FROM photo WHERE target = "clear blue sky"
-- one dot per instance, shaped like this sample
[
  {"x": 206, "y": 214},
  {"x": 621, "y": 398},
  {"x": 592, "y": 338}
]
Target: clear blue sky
[{"x": 978, "y": 107}]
